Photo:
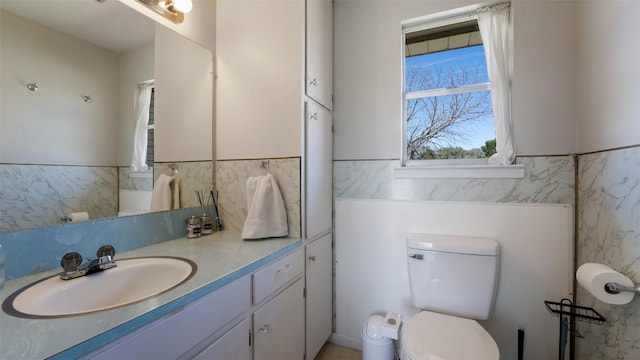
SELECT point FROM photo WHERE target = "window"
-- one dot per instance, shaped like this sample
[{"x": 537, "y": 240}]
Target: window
[
  {"x": 150, "y": 130},
  {"x": 452, "y": 108},
  {"x": 144, "y": 127},
  {"x": 448, "y": 112}
]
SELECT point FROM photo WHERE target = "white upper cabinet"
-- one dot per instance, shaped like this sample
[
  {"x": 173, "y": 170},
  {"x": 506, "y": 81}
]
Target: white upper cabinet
[
  {"x": 319, "y": 170},
  {"x": 319, "y": 60}
]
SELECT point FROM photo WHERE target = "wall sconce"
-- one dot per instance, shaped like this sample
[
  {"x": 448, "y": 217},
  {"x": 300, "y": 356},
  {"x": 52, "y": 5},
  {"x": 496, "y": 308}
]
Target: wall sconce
[
  {"x": 173, "y": 10},
  {"x": 86, "y": 98},
  {"x": 32, "y": 86}
]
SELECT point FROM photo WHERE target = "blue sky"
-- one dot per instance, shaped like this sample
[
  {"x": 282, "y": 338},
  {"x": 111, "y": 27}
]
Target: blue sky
[{"x": 472, "y": 57}]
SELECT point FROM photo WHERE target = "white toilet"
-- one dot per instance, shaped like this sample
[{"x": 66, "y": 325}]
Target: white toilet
[{"x": 454, "y": 280}]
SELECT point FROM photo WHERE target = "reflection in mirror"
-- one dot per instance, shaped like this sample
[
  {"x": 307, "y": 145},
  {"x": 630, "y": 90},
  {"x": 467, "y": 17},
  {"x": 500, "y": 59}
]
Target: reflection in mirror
[{"x": 61, "y": 154}]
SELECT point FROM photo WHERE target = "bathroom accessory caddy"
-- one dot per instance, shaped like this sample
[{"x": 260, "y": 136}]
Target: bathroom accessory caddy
[{"x": 568, "y": 313}]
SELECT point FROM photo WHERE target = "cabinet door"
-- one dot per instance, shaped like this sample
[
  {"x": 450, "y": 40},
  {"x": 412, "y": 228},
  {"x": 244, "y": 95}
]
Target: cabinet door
[
  {"x": 319, "y": 294},
  {"x": 279, "y": 326},
  {"x": 235, "y": 344},
  {"x": 319, "y": 166},
  {"x": 319, "y": 85}
]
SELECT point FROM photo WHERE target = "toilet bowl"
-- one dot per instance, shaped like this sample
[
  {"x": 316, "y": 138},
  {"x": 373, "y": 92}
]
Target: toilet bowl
[{"x": 435, "y": 336}]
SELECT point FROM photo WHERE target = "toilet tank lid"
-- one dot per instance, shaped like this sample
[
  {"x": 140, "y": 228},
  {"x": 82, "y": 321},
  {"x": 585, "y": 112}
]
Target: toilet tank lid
[{"x": 453, "y": 244}]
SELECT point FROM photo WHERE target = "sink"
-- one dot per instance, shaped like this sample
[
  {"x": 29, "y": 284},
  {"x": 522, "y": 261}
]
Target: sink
[{"x": 132, "y": 280}]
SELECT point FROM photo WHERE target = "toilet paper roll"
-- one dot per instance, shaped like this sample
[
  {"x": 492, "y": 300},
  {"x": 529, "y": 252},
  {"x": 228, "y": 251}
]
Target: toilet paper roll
[
  {"x": 593, "y": 277},
  {"x": 77, "y": 216}
]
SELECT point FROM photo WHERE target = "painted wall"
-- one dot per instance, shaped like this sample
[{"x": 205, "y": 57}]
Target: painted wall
[
  {"x": 58, "y": 125},
  {"x": 607, "y": 72},
  {"x": 260, "y": 58},
  {"x": 367, "y": 76},
  {"x": 183, "y": 99}
]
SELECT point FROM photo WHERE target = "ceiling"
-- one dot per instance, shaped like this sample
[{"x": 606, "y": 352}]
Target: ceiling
[{"x": 108, "y": 24}]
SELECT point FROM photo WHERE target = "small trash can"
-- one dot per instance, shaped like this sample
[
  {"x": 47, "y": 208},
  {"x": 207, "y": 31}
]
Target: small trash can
[{"x": 374, "y": 345}]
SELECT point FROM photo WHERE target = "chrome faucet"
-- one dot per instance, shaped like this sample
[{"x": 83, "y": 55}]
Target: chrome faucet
[{"x": 74, "y": 267}]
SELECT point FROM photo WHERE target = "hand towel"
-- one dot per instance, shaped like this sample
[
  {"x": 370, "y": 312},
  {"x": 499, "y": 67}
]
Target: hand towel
[
  {"x": 166, "y": 193},
  {"x": 266, "y": 214}
]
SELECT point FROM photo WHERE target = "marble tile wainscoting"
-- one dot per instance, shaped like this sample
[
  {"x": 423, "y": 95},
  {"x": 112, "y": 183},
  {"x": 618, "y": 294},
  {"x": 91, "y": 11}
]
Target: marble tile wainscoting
[
  {"x": 134, "y": 181},
  {"x": 609, "y": 233},
  {"x": 39, "y": 195},
  {"x": 547, "y": 180},
  {"x": 231, "y": 180},
  {"x": 193, "y": 175}
]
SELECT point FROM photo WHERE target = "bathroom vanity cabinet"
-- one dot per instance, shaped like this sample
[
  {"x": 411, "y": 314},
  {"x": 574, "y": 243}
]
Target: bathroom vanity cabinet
[{"x": 259, "y": 316}]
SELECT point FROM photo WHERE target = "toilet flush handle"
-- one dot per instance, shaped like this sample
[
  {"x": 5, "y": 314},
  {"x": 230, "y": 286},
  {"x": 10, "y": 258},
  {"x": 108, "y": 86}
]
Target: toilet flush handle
[{"x": 416, "y": 256}]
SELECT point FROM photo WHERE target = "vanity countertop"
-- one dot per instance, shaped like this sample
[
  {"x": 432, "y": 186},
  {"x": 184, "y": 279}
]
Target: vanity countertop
[{"x": 221, "y": 258}]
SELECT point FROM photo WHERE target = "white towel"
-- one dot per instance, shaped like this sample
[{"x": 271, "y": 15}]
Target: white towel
[
  {"x": 166, "y": 193},
  {"x": 266, "y": 214}
]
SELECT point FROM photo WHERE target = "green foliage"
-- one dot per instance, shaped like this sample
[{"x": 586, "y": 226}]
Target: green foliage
[
  {"x": 451, "y": 152},
  {"x": 489, "y": 148}
]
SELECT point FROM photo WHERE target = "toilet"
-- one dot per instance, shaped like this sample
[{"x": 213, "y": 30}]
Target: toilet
[{"x": 453, "y": 279}]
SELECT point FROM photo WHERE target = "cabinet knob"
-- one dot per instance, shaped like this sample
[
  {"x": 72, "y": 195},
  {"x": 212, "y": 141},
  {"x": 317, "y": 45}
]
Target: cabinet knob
[
  {"x": 313, "y": 82},
  {"x": 314, "y": 116},
  {"x": 312, "y": 258},
  {"x": 286, "y": 269},
  {"x": 265, "y": 329}
]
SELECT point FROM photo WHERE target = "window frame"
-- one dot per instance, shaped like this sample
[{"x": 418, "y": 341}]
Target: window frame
[
  {"x": 420, "y": 24},
  {"x": 443, "y": 168}
]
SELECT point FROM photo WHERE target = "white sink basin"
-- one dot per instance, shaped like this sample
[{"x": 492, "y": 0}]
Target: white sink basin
[{"x": 132, "y": 280}]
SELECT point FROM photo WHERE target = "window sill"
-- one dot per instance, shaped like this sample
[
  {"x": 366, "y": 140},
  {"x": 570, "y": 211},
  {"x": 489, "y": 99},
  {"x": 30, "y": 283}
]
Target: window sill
[{"x": 459, "y": 172}]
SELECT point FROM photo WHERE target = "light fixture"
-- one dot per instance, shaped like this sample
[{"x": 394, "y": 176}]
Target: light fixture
[
  {"x": 32, "y": 86},
  {"x": 86, "y": 98},
  {"x": 173, "y": 10}
]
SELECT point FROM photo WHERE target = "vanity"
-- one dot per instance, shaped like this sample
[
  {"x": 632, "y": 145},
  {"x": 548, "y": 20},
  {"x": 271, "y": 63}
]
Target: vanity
[{"x": 246, "y": 301}]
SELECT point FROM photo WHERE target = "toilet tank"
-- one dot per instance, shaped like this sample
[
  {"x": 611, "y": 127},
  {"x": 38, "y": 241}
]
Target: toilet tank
[{"x": 455, "y": 275}]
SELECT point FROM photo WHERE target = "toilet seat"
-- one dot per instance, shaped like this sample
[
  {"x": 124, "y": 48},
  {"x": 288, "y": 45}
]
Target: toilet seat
[{"x": 434, "y": 336}]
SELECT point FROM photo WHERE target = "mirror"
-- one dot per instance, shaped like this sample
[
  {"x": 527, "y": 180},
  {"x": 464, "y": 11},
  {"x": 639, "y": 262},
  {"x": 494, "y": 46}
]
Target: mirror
[{"x": 70, "y": 78}]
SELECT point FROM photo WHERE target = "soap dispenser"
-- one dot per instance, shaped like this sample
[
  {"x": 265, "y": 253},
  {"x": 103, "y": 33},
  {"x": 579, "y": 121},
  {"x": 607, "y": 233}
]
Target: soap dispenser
[{"x": 194, "y": 227}]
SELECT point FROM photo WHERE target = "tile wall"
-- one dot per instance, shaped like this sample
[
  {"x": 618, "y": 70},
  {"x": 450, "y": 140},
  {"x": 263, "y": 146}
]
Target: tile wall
[
  {"x": 609, "y": 233},
  {"x": 34, "y": 196},
  {"x": 231, "y": 179}
]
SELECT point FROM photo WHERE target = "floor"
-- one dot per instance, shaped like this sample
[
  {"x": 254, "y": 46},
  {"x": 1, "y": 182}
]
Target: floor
[{"x": 336, "y": 352}]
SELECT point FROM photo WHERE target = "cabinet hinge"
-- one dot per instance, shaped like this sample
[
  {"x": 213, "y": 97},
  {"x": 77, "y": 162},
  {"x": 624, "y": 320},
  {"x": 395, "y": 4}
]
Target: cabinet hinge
[
  {"x": 249, "y": 337},
  {"x": 304, "y": 293}
]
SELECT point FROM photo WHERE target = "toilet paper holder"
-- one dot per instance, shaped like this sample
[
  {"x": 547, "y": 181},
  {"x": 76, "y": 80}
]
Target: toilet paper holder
[{"x": 615, "y": 288}]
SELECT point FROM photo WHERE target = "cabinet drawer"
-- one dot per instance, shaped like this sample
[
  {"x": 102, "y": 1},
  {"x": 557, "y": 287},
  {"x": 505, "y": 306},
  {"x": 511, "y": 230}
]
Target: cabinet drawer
[
  {"x": 277, "y": 274},
  {"x": 176, "y": 334}
]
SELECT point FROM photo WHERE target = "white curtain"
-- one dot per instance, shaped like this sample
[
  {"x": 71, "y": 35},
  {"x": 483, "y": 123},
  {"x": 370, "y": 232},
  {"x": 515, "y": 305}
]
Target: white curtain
[
  {"x": 494, "y": 29},
  {"x": 139, "y": 159}
]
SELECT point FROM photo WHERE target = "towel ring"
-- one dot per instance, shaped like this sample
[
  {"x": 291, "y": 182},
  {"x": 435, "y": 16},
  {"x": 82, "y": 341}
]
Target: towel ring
[
  {"x": 265, "y": 164},
  {"x": 174, "y": 167}
]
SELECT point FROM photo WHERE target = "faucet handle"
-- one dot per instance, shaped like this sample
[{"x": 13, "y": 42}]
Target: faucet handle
[
  {"x": 106, "y": 250},
  {"x": 71, "y": 261}
]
